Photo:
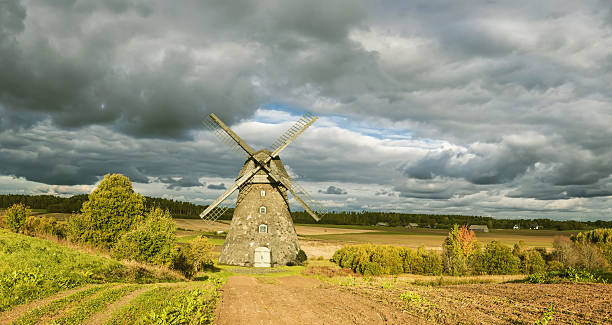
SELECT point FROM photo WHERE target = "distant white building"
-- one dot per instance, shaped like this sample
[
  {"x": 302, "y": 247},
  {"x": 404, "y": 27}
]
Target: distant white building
[
  {"x": 411, "y": 225},
  {"x": 479, "y": 228},
  {"x": 383, "y": 224}
]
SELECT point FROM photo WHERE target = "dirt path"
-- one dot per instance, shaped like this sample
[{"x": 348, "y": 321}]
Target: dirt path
[
  {"x": 14, "y": 313},
  {"x": 299, "y": 300}
]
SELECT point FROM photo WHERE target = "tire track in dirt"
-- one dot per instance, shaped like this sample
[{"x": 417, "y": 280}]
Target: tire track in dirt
[
  {"x": 300, "y": 300},
  {"x": 14, "y": 313}
]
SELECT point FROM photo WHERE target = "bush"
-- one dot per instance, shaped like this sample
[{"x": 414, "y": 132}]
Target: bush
[
  {"x": 181, "y": 259},
  {"x": 370, "y": 259},
  {"x": 301, "y": 257},
  {"x": 151, "y": 242},
  {"x": 432, "y": 262},
  {"x": 43, "y": 226},
  {"x": 201, "y": 250},
  {"x": 531, "y": 260},
  {"x": 15, "y": 216},
  {"x": 112, "y": 210},
  {"x": 596, "y": 236},
  {"x": 498, "y": 259}
]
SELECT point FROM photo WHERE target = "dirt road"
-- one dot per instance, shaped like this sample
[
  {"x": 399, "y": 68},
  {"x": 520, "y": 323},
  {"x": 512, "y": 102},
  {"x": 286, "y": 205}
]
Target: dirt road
[{"x": 299, "y": 300}]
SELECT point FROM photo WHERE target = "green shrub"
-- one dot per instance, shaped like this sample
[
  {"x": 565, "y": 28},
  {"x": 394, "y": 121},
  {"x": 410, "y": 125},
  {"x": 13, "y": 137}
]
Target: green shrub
[
  {"x": 554, "y": 266},
  {"x": 531, "y": 259},
  {"x": 43, "y": 226},
  {"x": 181, "y": 259},
  {"x": 151, "y": 242},
  {"x": 201, "y": 250},
  {"x": 112, "y": 210},
  {"x": 16, "y": 215},
  {"x": 498, "y": 259},
  {"x": 432, "y": 262},
  {"x": 301, "y": 257},
  {"x": 371, "y": 259},
  {"x": 596, "y": 236},
  {"x": 566, "y": 275}
]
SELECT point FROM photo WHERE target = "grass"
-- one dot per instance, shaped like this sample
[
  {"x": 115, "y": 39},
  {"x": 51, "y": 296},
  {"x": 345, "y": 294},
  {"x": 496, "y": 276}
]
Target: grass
[
  {"x": 33, "y": 268},
  {"x": 53, "y": 308},
  {"x": 94, "y": 305}
]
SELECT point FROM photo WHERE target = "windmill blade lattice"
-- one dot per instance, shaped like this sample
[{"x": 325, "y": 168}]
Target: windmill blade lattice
[
  {"x": 305, "y": 119},
  {"x": 313, "y": 204},
  {"x": 215, "y": 214},
  {"x": 221, "y": 209},
  {"x": 210, "y": 124}
]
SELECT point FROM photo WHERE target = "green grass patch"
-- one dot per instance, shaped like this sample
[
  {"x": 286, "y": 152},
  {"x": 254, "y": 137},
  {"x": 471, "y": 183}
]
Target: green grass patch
[
  {"x": 144, "y": 304},
  {"x": 33, "y": 268},
  {"x": 98, "y": 303},
  {"x": 53, "y": 308}
]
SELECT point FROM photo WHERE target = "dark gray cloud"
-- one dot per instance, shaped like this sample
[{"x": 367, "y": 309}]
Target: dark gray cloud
[
  {"x": 180, "y": 182},
  {"x": 484, "y": 107},
  {"x": 216, "y": 186},
  {"x": 333, "y": 190}
]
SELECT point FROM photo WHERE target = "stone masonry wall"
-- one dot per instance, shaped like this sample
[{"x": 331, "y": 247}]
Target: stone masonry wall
[{"x": 243, "y": 236}]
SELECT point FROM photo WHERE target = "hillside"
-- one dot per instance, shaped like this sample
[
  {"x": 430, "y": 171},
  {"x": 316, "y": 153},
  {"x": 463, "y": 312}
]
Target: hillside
[{"x": 44, "y": 281}]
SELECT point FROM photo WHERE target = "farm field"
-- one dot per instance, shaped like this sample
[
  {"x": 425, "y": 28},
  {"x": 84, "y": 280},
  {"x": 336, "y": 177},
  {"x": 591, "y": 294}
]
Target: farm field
[
  {"x": 94, "y": 289},
  {"x": 324, "y": 240}
]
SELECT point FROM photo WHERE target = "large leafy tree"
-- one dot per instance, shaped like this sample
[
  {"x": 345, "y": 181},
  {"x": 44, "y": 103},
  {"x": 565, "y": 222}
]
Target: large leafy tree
[{"x": 113, "y": 209}]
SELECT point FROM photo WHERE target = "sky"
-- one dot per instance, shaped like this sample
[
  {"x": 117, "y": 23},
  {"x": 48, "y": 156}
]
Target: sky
[{"x": 472, "y": 107}]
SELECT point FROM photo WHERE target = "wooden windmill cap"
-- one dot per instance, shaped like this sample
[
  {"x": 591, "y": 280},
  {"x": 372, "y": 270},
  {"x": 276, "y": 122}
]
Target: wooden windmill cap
[{"x": 276, "y": 167}]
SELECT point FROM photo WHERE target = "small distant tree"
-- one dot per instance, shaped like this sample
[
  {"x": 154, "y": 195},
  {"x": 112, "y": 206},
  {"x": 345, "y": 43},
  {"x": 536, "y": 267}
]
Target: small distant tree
[
  {"x": 457, "y": 248},
  {"x": 151, "y": 241},
  {"x": 16, "y": 215},
  {"x": 113, "y": 209}
]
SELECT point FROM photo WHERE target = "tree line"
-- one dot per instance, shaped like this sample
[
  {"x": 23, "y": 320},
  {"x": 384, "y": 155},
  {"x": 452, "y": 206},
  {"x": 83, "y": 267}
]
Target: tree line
[{"x": 180, "y": 209}]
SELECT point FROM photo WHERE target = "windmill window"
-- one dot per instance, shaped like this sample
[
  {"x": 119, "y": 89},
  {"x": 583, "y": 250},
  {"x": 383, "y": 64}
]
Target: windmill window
[
  {"x": 263, "y": 193},
  {"x": 263, "y": 228},
  {"x": 262, "y": 210}
]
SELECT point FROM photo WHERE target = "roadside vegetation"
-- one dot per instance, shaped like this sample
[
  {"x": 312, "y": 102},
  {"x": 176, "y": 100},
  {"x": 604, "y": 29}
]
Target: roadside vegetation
[
  {"x": 582, "y": 259},
  {"x": 113, "y": 251}
]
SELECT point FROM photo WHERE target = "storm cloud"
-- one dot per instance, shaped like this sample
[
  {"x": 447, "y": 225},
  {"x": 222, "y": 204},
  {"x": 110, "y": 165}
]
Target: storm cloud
[{"x": 476, "y": 107}]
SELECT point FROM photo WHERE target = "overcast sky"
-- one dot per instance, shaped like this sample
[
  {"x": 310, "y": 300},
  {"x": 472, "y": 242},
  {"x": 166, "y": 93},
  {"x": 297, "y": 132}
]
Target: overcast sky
[{"x": 457, "y": 107}]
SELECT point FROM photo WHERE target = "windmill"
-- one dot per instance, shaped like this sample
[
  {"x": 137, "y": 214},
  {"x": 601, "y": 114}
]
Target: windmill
[{"x": 261, "y": 233}]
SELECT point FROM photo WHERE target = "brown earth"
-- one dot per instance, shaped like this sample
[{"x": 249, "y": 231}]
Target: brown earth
[
  {"x": 306, "y": 300},
  {"x": 300, "y": 300}
]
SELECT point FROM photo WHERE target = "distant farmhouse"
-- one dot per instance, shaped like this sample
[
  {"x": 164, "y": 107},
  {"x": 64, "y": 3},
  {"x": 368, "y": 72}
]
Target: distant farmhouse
[
  {"x": 411, "y": 225},
  {"x": 479, "y": 228}
]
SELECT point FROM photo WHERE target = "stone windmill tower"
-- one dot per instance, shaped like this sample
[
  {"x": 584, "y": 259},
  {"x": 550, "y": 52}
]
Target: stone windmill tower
[{"x": 261, "y": 232}]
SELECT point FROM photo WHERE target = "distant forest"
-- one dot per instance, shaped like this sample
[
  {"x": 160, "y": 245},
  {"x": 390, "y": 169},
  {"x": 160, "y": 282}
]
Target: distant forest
[{"x": 180, "y": 209}]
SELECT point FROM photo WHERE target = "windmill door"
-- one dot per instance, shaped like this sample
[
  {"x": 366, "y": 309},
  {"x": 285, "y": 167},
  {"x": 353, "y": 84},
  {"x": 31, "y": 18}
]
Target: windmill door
[{"x": 262, "y": 257}]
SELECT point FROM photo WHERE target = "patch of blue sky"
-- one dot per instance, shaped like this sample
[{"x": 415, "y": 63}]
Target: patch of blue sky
[{"x": 273, "y": 112}]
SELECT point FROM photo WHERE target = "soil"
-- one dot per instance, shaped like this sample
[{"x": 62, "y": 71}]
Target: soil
[
  {"x": 306, "y": 300},
  {"x": 510, "y": 303},
  {"x": 300, "y": 300}
]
